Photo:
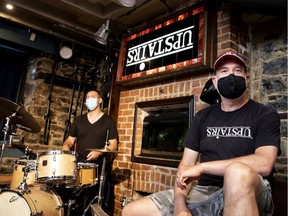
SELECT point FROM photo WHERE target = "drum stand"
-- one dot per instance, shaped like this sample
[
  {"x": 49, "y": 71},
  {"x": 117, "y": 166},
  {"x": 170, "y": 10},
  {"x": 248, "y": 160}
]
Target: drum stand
[
  {"x": 70, "y": 203},
  {"x": 23, "y": 187},
  {"x": 97, "y": 207},
  {"x": 6, "y": 130},
  {"x": 101, "y": 189}
]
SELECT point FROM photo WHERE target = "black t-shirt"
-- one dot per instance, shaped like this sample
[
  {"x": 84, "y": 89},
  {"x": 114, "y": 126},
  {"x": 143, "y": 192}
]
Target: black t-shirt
[
  {"x": 92, "y": 136},
  {"x": 219, "y": 135}
]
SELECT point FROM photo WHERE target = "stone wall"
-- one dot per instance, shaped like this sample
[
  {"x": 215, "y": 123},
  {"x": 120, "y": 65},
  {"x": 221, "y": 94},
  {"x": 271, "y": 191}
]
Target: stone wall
[
  {"x": 36, "y": 93},
  {"x": 269, "y": 77}
]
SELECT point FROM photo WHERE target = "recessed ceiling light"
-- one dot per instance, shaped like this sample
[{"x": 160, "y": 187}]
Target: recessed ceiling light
[
  {"x": 128, "y": 3},
  {"x": 9, "y": 6}
]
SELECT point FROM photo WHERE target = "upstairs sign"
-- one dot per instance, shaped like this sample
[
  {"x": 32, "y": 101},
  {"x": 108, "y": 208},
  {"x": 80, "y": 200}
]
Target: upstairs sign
[
  {"x": 166, "y": 45},
  {"x": 164, "y": 48}
]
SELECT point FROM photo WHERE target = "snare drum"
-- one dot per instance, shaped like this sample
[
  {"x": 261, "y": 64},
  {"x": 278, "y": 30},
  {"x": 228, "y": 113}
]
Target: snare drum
[
  {"x": 38, "y": 201},
  {"x": 87, "y": 175},
  {"x": 18, "y": 173},
  {"x": 56, "y": 167}
]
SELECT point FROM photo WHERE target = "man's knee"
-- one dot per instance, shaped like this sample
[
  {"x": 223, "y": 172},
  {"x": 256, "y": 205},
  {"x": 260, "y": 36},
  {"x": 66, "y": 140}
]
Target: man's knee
[
  {"x": 127, "y": 209},
  {"x": 239, "y": 171},
  {"x": 143, "y": 206},
  {"x": 239, "y": 177},
  {"x": 131, "y": 209}
]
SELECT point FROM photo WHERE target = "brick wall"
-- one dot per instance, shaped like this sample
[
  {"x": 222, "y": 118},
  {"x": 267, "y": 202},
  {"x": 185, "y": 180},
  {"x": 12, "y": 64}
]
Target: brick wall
[{"x": 141, "y": 179}]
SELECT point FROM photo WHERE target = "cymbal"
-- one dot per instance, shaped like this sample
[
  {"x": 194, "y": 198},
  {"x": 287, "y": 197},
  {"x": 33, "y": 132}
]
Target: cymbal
[
  {"x": 105, "y": 150},
  {"x": 21, "y": 118}
]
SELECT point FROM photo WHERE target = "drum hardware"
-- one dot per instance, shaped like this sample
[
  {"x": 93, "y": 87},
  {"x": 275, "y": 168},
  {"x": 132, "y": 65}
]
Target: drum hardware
[
  {"x": 18, "y": 116},
  {"x": 70, "y": 203},
  {"x": 23, "y": 186},
  {"x": 23, "y": 174},
  {"x": 105, "y": 151},
  {"x": 27, "y": 153},
  {"x": 15, "y": 139},
  {"x": 6, "y": 130},
  {"x": 101, "y": 189}
]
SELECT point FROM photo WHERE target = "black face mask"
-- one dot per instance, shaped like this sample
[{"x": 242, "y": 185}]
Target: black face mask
[{"x": 232, "y": 86}]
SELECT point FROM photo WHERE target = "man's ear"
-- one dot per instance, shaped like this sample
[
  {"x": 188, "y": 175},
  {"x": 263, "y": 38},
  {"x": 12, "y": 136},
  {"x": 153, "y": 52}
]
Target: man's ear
[
  {"x": 214, "y": 80},
  {"x": 247, "y": 77}
]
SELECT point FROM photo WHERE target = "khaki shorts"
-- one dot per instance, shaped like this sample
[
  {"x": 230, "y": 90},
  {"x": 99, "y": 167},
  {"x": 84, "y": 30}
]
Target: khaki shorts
[{"x": 209, "y": 200}]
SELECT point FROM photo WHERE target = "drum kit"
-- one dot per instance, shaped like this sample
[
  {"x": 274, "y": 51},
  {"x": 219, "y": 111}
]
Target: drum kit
[{"x": 36, "y": 185}]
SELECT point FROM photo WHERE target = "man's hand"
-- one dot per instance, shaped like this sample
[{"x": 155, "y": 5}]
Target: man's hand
[
  {"x": 93, "y": 155},
  {"x": 188, "y": 174}
]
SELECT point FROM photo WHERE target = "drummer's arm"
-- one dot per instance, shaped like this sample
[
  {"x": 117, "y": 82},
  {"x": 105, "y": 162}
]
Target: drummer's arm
[
  {"x": 112, "y": 144},
  {"x": 68, "y": 143}
]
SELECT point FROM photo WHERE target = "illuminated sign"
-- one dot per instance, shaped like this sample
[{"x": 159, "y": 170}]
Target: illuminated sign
[
  {"x": 166, "y": 45},
  {"x": 171, "y": 45}
]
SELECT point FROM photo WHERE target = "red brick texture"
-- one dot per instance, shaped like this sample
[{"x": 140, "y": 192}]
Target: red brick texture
[{"x": 132, "y": 178}]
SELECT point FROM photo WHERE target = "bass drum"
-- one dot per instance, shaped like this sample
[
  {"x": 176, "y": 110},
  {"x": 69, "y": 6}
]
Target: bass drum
[{"x": 38, "y": 201}]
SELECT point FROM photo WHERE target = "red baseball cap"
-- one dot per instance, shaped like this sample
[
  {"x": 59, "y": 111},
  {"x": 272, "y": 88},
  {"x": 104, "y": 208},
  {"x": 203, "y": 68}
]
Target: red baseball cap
[{"x": 229, "y": 55}]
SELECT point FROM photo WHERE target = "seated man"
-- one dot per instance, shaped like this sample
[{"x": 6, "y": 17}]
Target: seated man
[{"x": 237, "y": 141}]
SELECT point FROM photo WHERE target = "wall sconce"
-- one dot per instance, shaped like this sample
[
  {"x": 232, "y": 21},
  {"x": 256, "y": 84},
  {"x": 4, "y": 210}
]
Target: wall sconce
[
  {"x": 128, "y": 3},
  {"x": 102, "y": 34}
]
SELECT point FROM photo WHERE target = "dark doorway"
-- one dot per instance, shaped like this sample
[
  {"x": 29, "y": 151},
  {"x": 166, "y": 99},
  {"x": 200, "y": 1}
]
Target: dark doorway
[{"x": 12, "y": 75}]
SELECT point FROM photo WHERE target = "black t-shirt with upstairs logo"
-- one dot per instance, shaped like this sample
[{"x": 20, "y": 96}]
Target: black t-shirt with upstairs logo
[{"x": 219, "y": 135}]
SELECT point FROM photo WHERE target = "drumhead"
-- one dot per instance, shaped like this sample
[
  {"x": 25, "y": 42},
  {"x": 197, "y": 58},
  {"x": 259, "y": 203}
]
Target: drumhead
[
  {"x": 11, "y": 203},
  {"x": 55, "y": 152},
  {"x": 30, "y": 163},
  {"x": 82, "y": 165}
]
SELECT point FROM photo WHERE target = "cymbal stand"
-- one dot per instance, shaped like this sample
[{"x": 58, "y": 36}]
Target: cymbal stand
[
  {"x": 103, "y": 172},
  {"x": 70, "y": 203},
  {"x": 101, "y": 187},
  {"x": 6, "y": 130},
  {"x": 102, "y": 179},
  {"x": 26, "y": 153}
]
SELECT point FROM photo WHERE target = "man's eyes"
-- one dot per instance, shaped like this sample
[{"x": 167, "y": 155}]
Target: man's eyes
[{"x": 235, "y": 71}]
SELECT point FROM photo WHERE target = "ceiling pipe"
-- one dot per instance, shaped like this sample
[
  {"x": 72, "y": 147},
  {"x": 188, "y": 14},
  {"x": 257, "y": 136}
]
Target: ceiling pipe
[
  {"x": 94, "y": 13},
  {"x": 49, "y": 32},
  {"x": 43, "y": 13}
]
